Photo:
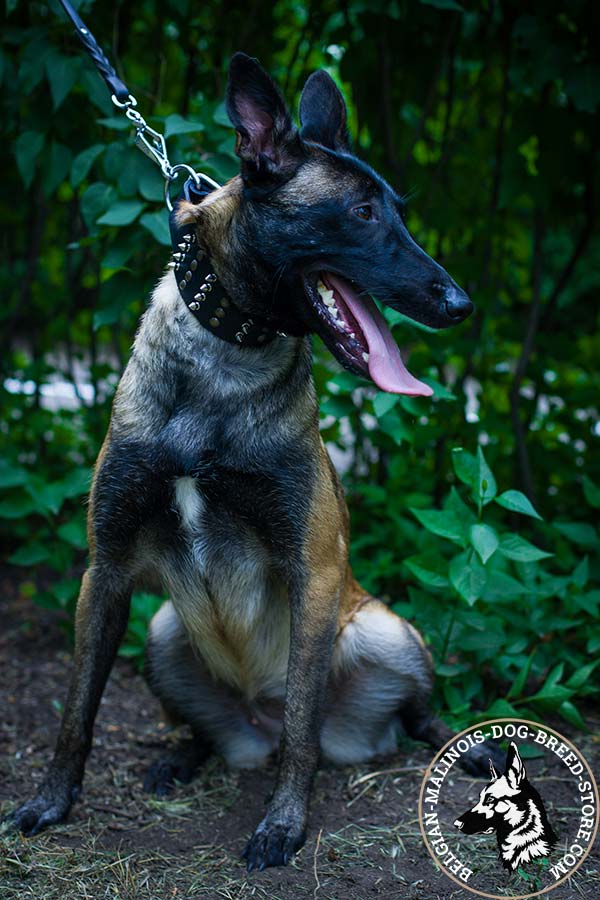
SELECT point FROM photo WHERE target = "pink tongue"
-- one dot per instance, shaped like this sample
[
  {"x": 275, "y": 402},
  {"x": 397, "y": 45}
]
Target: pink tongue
[{"x": 385, "y": 363}]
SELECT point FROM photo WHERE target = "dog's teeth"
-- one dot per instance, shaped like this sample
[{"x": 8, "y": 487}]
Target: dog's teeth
[
  {"x": 328, "y": 299},
  {"x": 352, "y": 335},
  {"x": 365, "y": 356}
]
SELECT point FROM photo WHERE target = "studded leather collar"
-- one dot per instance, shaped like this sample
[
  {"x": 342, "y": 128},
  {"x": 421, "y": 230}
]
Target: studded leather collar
[{"x": 201, "y": 290}]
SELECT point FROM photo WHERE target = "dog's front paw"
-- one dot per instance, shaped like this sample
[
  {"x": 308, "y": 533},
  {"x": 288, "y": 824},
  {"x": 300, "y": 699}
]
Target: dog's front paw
[
  {"x": 274, "y": 842},
  {"x": 46, "y": 808}
]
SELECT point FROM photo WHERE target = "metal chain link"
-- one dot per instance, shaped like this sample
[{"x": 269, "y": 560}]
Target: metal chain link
[{"x": 152, "y": 144}]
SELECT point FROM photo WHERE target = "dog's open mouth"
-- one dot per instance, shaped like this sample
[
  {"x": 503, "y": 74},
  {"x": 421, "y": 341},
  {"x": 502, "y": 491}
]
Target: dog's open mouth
[{"x": 358, "y": 335}]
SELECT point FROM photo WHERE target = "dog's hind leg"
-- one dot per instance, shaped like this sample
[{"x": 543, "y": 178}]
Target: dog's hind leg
[
  {"x": 380, "y": 666},
  {"x": 382, "y": 676},
  {"x": 189, "y": 694}
]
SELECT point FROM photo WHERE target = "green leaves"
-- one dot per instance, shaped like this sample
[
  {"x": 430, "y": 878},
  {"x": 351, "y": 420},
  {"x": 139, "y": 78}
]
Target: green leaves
[
  {"x": 123, "y": 212},
  {"x": 515, "y": 547},
  {"x": 383, "y": 402},
  {"x": 62, "y": 72},
  {"x": 443, "y": 522},
  {"x": 591, "y": 492},
  {"x": 157, "y": 223},
  {"x": 581, "y": 533},
  {"x": 176, "y": 124},
  {"x": 143, "y": 607},
  {"x": 517, "y": 502},
  {"x": 429, "y": 568},
  {"x": 28, "y": 147},
  {"x": 475, "y": 472},
  {"x": 17, "y": 507},
  {"x": 484, "y": 540},
  {"x": 83, "y": 162},
  {"x": 468, "y": 576},
  {"x": 478, "y": 572},
  {"x": 29, "y": 555},
  {"x": 94, "y": 201}
]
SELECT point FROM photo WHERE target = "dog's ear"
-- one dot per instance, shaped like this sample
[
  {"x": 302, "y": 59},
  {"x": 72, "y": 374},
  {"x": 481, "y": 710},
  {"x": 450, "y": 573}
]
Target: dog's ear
[
  {"x": 515, "y": 770},
  {"x": 323, "y": 113},
  {"x": 267, "y": 141}
]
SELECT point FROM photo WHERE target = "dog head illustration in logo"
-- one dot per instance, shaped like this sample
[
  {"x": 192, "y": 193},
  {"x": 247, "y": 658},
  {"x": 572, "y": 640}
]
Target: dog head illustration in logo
[{"x": 511, "y": 806}]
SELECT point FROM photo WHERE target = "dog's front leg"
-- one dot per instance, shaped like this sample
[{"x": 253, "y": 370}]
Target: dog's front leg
[
  {"x": 102, "y": 612},
  {"x": 121, "y": 496},
  {"x": 313, "y": 623}
]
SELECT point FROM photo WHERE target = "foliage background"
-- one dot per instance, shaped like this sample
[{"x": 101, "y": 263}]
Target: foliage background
[{"x": 485, "y": 113}]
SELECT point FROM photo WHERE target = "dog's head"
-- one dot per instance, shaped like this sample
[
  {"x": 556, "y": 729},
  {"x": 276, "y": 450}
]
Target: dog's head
[
  {"x": 500, "y": 802},
  {"x": 319, "y": 231}
]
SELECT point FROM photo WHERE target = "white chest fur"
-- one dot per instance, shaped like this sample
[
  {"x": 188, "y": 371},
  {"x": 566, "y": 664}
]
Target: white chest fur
[{"x": 234, "y": 609}]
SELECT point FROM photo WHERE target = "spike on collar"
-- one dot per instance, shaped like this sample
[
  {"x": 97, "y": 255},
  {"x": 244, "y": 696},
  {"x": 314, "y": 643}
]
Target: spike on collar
[{"x": 202, "y": 291}]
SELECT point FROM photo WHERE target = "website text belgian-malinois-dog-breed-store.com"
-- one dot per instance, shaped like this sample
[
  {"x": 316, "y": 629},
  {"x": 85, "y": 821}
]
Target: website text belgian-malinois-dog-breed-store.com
[{"x": 213, "y": 484}]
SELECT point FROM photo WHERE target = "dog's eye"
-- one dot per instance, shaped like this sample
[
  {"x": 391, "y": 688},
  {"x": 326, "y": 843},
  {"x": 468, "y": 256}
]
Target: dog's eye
[{"x": 363, "y": 212}]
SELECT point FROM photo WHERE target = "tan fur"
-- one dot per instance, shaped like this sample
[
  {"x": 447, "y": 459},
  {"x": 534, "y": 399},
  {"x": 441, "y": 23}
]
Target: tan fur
[
  {"x": 316, "y": 180},
  {"x": 212, "y": 218}
]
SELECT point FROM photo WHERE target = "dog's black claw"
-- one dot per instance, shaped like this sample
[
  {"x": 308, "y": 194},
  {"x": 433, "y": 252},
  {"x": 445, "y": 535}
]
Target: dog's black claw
[{"x": 273, "y": 844}]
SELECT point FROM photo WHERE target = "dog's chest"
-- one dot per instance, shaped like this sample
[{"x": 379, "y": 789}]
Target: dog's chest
[{"x": 221, "y": 582}]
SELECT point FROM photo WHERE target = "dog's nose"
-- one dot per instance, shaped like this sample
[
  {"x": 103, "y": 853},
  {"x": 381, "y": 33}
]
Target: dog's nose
[
  {"x": 458, "y": 823},
  {"x": 458, "y": 305}
]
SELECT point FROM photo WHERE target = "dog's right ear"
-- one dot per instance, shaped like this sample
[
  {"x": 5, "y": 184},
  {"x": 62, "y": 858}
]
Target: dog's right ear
[{"x": 267, "y": 141}]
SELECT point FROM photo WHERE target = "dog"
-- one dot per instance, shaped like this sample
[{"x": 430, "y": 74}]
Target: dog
[
  {"x": 510, "y": 806},
  {"x": 214, "y": 486}
]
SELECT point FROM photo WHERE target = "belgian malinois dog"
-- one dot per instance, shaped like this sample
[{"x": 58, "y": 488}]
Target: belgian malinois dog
[{"x": 214, "y": 486}]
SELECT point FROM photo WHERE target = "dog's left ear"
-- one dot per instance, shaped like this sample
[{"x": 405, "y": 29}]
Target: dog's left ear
[
  {"x": 515, "y": 770},
  {"x": 267, "y": 141},
  {"x": 323, "y": 113}
]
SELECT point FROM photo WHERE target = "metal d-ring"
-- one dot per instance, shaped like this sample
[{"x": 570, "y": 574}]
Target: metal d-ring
[
  {"x": 192, "y": 173},
  {"x": 175, "y": 170}
]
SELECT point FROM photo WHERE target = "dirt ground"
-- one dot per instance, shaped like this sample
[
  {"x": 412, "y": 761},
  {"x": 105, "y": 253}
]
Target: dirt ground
[{"x": 363, "y": 841}]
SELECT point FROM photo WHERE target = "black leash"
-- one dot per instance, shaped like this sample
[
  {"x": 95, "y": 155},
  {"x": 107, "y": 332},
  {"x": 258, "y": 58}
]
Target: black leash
[
  {"x": 198, "y": 284},
  {"x": 113, "y": 82},
  {"x": 150, "y": 142}
]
